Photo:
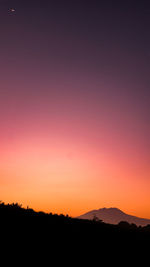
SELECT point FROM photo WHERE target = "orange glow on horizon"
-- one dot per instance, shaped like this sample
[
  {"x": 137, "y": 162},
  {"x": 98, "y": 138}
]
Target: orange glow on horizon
[{"x": 63, "y": 177}]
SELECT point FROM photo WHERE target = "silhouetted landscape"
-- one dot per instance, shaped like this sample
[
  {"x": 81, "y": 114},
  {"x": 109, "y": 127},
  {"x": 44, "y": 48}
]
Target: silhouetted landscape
[
  {"x": 28, "y": 233},
  {"x": 22, "y": 222}
]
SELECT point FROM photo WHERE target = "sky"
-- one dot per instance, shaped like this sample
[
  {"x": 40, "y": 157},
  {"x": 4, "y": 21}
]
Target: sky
[{"x": 75, "y": 105}]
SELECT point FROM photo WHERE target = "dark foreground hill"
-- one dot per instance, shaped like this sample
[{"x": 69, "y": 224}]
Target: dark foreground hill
[
  {"x": 114, "y": 216},
  {"x": 26, "y": 231}
]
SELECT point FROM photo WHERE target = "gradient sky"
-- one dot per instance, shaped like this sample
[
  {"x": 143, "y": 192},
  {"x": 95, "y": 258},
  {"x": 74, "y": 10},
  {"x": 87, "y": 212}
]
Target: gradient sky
[{"x": 75, "y": 105}]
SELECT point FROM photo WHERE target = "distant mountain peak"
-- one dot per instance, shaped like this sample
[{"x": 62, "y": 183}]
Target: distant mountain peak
[
  {"x": 112, "y": 210},
  {"x": 114, "y": 215}
]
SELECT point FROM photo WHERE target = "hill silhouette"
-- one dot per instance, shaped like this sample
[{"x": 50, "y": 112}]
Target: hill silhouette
[
  {"x": 58, "y": 234},
  {"x": 17, "y": 217},
  {"x": 114, "y": 216}
]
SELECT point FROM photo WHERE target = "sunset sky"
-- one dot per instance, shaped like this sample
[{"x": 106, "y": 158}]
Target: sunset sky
[{"x": 75, "y": 105}]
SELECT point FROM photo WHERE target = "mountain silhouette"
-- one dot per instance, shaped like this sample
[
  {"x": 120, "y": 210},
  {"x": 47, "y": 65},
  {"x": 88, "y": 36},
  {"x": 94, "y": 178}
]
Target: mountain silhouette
[{"x": 114, "y": 216}]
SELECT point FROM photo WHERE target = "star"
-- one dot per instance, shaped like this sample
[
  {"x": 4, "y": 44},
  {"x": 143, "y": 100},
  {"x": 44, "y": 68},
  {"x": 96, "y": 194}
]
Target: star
[{"x": 12, "y": 10}]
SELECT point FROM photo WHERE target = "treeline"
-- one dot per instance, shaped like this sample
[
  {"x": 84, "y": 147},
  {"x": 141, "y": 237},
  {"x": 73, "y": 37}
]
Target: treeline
[
  {"x": 25, "y": 233},
  {"x": 39, "y": 229},
  {"x": 16, "y": 210}
]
